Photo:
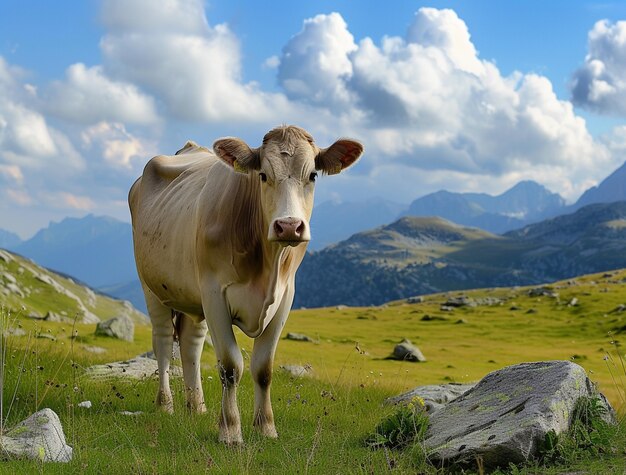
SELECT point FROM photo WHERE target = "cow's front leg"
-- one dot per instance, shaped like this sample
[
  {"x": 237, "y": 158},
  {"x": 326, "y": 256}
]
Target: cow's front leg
[
  {"x": 229, "y": 363},
  {"x": 191, "y": 337},
  {"x": 261, "y": 367}
]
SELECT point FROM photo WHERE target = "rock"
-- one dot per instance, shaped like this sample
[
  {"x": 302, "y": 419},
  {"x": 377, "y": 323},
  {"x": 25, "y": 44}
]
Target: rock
[
  {"x": 136, "y": 368},
  {"x": 461, "y": 301},
  {"x": 16, "y": 332},
  {"x": 298, "y": 337},
  {"x": 175, "y": 352},
  {"x": 13, "y": 288},
  {"x": 35, "y": 315},
  {"x": 531, "y": 311},
  {"x": 489, "y": 301},
  {"x": 407, "y": 351},
  {"x": 39, "y": 437},
  {"x": 446, "y": 308},
  {"x": 341, "y": 307},
  {"x": 297, "y": 371},
  {"x": 54, "y": 317},
  {"x": 620, "y": 308},
  {"x": 573, "y": 302},
  {"x": 460, "y": 321},
  {"x": 46, "y": 336},
  {"x": 431, "y": 318},
  {"x": 542, "y": 292},
  {"x": 5, "y": 256},
  {"x": 8, "y": 278},
  {"x": 131, "y": 413},
  {"x": 508, "y": 414},
  {"x": 94, "y": 349},
  {"x": 118, "y": 327},
  {"x": 85, "y": 404},
  {"x": 416, "y": 299},
  {"x": 435, "y": 396},
  {"x": 514, "y": 308}
]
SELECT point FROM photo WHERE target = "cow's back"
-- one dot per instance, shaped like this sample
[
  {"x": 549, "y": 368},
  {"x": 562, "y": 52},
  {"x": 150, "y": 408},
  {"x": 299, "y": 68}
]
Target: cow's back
[{"x": 163, "y": 204}]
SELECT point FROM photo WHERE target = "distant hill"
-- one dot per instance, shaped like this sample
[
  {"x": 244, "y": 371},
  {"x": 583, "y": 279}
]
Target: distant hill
[
  {"x": 524, "y": 203},
  {"x": 8, "y": 239},
  {"x": 415, "y": 256},
  {"x": 29, "y": 290},
  {"x": 332, "y": 222},
  {"x": 97, "y": 250},
  {"x": 611, "y": 189}
]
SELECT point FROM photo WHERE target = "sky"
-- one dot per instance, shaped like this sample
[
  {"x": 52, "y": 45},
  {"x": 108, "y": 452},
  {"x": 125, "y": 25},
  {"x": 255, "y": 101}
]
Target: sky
[{"x": 468, "y": 95}]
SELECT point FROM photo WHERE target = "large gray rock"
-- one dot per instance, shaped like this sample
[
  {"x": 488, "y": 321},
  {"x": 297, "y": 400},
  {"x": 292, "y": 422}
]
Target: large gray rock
[
  {"x": 38, "y": 437},
  {"x": 118, "y": 327},
  {"x": 407, "y": 351},
  {"x": 435, "y": 396},
  {"x": 506, "y": 416},
  {"x": 136, "y": 368}
]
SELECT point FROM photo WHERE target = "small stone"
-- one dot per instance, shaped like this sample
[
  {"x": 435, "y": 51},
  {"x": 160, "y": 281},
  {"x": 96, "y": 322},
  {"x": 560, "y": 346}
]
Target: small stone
[
  {"x": 298, "y": 337},
  {"x": 118, "y": 327},
  {"x": 297, "y": 371},
  {"x": 131, "y": 413},
  {"x": 16, "y": 332},
  {"x": 407, "y": 351},
  {"x": 573, "y": 302},
  {"x": 416, "y": 299},
  {"x": 85, "y": 404}
]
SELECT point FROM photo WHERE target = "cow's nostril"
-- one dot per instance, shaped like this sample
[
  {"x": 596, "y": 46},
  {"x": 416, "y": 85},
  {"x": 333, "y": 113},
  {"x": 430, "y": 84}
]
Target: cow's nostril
[
  {"x": 300, "y": 229},
  {"x": 278, "y": 228}
]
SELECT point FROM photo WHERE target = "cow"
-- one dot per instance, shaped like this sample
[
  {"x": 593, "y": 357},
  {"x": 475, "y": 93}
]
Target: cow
[{"x": 218, "y": 236}]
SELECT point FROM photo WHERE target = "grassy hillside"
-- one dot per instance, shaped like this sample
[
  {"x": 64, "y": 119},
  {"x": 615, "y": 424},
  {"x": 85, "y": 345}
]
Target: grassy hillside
[
  {"x": 28, "y": 289},
  {"x": 425, "y": 255},
  {"x": 322, "y": 421}
]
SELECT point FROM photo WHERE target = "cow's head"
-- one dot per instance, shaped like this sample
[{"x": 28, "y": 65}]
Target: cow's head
[{"x": 286, "y": 165}]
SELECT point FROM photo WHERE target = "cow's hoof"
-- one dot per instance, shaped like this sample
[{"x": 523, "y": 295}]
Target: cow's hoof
[
  {"x": 231, "y": 437},
  {"x": 165, "y": 402},
  {"x": 267, "y": 430}
]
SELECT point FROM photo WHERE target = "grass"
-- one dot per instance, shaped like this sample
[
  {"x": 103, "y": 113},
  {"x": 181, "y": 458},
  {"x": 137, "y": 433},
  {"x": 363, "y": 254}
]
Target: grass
[{"x": 323, "y": 422}]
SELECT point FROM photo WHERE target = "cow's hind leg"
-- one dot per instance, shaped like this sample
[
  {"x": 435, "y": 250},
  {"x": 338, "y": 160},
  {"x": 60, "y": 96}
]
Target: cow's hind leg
[
  {"x": 162, "y": 342},
  {"x": 261, "y": 367},
  {"x": 191, "y": 335}
]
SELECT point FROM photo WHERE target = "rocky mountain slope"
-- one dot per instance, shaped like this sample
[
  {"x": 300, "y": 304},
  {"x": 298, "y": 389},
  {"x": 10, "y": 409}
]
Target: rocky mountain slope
[
  {"x": 612, "y": 188},
  {"x": 424, "y": 255},
  {"x": 29, "y": 290}
]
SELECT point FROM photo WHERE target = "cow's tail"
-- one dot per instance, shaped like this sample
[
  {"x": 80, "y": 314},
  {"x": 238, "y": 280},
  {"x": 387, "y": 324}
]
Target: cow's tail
[{"x": 177, "y": 320}]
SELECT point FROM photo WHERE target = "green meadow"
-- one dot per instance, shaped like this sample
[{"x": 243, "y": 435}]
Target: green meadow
[{"x": 322, "y": 421}]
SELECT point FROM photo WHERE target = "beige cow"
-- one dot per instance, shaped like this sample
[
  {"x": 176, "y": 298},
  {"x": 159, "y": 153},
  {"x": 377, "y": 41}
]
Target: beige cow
[{"x": 218, "y": 237}]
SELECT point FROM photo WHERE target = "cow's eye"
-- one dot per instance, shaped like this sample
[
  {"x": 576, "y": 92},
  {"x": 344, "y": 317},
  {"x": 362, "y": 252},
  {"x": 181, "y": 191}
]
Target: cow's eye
[
  {"x": 263, "y": 177},
  {"x": 313, "y": 176}
]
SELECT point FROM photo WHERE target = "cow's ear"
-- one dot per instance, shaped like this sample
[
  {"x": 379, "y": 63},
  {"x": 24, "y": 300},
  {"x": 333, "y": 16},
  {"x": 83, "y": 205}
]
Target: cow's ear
[
  {"x": 338, "y": 156},
  {"x": 237, "y": 154}
]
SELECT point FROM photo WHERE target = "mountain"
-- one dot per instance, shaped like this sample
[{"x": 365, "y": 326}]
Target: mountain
[
  {"x": 26, "y": 289},
  {"x": 97, "y": 250},
  {"x": 415, "y": 256},
  {"x": 612, "y": 188},
  {"x": 524, "y": 203},
  {"x": 332, "y": 222},
  {"x": 8, "y": 239}
]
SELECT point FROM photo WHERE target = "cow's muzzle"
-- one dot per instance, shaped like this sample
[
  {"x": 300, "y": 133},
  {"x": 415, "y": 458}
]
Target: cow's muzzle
[{"x": 289, "y": 231}]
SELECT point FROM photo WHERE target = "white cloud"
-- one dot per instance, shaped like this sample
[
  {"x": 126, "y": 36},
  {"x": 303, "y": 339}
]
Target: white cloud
[
  {"x": 87, "y": 95},
  {"x": 193, "y": 68},
  {"x": 116, "y": 145},
  {"x": 600, "y": 83},
  {"x": 315, "y": 62},
  {"x": 428, "y": 102}
]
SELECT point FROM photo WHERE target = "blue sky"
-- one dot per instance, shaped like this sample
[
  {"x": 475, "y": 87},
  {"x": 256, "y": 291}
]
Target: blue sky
[{"x": 462, "y": 95}]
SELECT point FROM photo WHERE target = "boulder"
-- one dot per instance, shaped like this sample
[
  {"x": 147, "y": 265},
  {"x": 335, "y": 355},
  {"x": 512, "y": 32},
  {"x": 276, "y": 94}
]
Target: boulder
[
  {"x": 16, "y": 332},
  {"x": 407, "y": 351},
  {"x": 298, "y": 337},
  {"x": 461, "y": 301},
  {"x": 435, "y": 396},
  {"x": 297, "y": 371},
  {"x": 543, "y": 292},
  {"x": 506, "y": 417},
  {"x": 416, "y": 299},
  {"x": 54, "y": 317},
  {"x": 118, "y": 327},
  {"x": 136, "y": 368},
  {"x": 39, "y": 437}
]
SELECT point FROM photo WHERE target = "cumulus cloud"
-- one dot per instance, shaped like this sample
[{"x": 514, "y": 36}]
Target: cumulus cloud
[
  {"x": 600, "y": 83},
  {"x": 427, "y": 101},
  {"x": 87, "y": 95},
  {"x": 116, "y": 145},
  {"x": 315, "y": 62},
  {"x": 172, "y": 52}
]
